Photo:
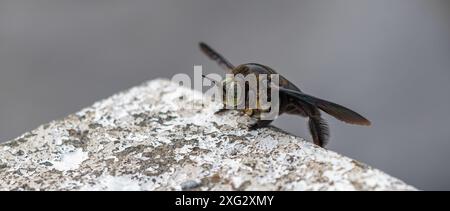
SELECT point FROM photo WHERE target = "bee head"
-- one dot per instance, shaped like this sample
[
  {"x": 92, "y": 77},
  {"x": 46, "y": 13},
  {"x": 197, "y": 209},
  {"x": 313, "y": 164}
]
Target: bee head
[{"x": 233, "y": 93}]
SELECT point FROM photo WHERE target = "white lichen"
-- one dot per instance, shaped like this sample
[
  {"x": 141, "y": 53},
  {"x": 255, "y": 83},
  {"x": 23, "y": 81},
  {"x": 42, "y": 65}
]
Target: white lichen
[
  {"x": 158, "y": 136},
  {"x": 70, "y": 160}
]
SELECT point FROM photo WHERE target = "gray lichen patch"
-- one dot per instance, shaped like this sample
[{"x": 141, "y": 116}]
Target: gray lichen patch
[{"x": 160, "y": 136}]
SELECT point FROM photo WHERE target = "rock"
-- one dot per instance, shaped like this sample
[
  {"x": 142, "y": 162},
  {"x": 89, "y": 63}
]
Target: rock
[{"x": 158, "y": 136}]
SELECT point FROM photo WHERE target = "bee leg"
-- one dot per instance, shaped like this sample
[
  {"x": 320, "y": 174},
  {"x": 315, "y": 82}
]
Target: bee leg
[
  {"x": 259, "y": 124},
  {"x": 248, "y": 112}
]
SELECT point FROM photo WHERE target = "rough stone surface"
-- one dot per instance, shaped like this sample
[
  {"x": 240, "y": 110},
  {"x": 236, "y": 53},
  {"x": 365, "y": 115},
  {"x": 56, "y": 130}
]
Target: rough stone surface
[{"x": 158, "y": 137}]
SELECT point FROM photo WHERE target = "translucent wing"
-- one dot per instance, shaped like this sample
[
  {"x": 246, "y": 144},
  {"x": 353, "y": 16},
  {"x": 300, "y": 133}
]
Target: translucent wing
[{"x": 339, "y": 112}]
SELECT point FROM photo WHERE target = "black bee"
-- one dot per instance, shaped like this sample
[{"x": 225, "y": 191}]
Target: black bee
[{"x": 292, "y": 100}]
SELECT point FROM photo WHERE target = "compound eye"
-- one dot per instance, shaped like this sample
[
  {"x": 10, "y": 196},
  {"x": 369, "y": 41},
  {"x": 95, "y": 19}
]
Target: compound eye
[{"x": 234, "y": 93}]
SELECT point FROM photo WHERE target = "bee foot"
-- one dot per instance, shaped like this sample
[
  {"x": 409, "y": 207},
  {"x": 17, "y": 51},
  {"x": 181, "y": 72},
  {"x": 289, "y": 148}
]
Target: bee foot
[
  {"x": 253, "y": 126},
  {"x": 221, "y": 111},
  {"x": 259, "y": 124}
]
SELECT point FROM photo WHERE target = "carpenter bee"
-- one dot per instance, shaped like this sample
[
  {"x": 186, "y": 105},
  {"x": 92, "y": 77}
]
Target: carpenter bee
[{"x": 291, "y": 99}]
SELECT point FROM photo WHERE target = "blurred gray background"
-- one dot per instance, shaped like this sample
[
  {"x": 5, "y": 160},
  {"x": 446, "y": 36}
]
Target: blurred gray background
[{"x": 389, "y": 60}]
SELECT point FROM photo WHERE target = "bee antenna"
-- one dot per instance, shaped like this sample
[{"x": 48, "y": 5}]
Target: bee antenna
[{"x": 215, "y": 82}]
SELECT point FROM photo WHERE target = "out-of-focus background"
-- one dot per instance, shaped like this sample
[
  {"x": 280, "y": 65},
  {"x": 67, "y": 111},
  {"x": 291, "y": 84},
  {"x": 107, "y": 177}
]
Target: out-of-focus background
[{"x": 389, "y": 60}]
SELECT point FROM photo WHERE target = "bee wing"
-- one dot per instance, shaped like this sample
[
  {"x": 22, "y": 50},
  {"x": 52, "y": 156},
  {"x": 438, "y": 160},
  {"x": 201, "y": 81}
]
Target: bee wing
[
  {"x": 213, "y": 55},
  {"x": 339, "y": 112}
]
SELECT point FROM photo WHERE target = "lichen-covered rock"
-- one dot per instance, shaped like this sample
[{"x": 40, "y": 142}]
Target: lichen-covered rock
[{"x": 158, "y": 136}]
